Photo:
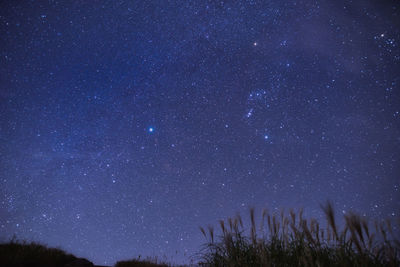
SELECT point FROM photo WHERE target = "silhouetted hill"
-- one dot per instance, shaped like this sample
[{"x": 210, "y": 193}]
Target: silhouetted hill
[{"x": 23, "y": 254}]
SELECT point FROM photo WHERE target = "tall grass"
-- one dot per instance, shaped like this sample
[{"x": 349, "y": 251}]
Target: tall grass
[{"x": 291, "y": 240}]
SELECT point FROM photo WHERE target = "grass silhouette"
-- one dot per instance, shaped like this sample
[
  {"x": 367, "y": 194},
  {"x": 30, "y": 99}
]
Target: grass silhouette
[
  {"x": 291, "y": 240},
  {"x": 279, "y": 240}
]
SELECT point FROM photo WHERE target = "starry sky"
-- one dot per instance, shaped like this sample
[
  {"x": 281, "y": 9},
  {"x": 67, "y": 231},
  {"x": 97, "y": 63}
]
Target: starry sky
[{"x": 126, "y": 125}]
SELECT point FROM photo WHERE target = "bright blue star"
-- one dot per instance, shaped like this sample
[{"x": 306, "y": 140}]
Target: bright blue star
[
  {"x": 266, "y": 137},
  {"x": 151, "y": 129}
]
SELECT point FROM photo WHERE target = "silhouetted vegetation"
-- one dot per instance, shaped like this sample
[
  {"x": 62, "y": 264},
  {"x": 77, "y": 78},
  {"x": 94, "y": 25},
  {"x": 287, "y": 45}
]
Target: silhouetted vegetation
[
  {"x": 291, "y": 240},
  {"x": 21, "y": 254},
  {"x": 142, "y": 263},
  {"x": 279, "y": 240}
]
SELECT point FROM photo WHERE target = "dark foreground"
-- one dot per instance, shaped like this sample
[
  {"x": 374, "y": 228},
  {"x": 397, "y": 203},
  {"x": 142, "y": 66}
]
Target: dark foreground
[
  {"x": 23, "y": 254},
  {"x": 284, "y": 240}
]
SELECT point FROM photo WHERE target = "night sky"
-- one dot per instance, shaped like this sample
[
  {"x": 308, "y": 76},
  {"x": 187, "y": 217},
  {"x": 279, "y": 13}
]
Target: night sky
[{"x": 126, "y": 125}]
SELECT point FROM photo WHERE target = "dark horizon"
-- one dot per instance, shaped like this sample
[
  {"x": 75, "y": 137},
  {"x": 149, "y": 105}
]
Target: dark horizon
[{"x": 126, "y": 125}]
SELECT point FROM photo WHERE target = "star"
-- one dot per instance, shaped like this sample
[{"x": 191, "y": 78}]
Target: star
[{"x": 225, "y": 102}]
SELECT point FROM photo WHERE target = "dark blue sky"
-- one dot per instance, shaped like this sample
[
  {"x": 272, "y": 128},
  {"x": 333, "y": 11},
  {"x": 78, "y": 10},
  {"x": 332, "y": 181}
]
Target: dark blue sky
[{"x": 125, "y": 125}]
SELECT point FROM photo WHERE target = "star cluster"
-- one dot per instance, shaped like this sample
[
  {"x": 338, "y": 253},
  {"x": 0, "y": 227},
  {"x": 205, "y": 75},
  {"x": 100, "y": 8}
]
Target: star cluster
[{"x": 125, "y": 125}]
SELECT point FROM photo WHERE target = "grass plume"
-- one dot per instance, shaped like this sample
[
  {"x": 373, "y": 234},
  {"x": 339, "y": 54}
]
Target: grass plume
[{"x": 292, "y": 240}]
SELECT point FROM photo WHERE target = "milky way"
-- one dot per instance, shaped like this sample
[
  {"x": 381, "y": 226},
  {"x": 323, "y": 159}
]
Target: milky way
[{"x": 125, "y": 125}]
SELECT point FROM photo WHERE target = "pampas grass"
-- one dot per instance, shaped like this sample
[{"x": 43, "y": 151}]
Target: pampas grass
[{"x": 291, "y": 240}]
